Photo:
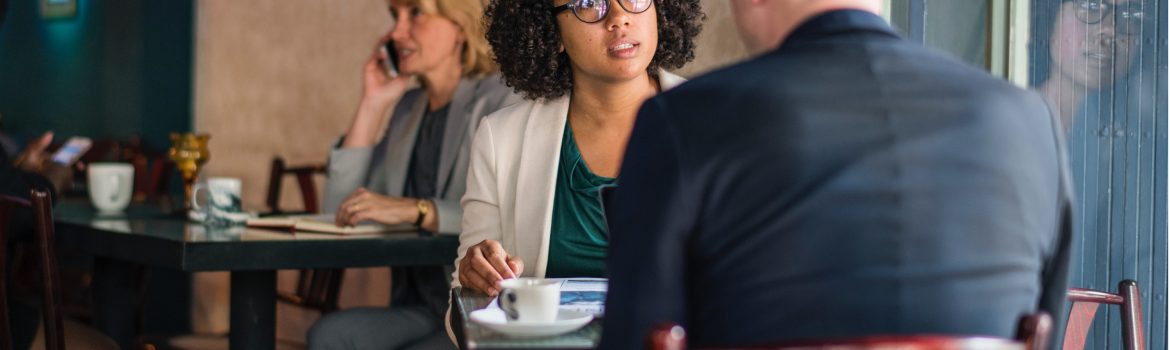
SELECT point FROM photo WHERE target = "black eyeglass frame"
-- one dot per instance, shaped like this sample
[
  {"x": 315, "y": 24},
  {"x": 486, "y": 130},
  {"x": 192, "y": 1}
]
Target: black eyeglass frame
[
  {"x": 1125, "y": 24},
  {"x": 571, "y": 5}
]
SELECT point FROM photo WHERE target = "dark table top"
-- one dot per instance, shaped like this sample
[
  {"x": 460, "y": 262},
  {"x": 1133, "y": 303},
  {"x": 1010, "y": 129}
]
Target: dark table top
[
  {"x": 145, "y": 234},
  {"x": 478, "y": 337}
]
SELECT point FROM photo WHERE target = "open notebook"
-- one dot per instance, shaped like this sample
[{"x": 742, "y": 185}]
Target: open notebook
[{"x": 323, "y": 223}]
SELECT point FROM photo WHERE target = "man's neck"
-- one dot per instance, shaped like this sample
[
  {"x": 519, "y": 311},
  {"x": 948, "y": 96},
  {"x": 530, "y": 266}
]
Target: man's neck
[{"x": 788, "y": 19}]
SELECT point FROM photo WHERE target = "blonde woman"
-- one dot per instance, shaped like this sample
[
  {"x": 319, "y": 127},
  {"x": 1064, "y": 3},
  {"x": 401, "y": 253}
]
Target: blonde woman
[{"x": 416, "y": 173}]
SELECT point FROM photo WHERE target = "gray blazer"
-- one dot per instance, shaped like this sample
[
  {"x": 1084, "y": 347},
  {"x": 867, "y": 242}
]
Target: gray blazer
[{"x": 383, "y": 167}]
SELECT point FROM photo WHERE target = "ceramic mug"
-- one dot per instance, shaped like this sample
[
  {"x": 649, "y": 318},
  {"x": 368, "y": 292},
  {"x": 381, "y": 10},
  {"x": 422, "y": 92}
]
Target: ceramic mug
[
  {"x": 222, "y": 202},
  {"x": 530, "y": 300},
  {"x": 111, "y": 186}
]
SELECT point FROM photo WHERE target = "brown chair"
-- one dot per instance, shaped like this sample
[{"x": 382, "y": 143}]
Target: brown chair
[
  {"x": 152, "y": 174},
  {"x": 42, "y": 208},
  {"x": 316, "y": 289},
  {"x": 1031, "y": 334},
  {"x": 1085, "y": 303},
  {"x": 304, "y": 176}
]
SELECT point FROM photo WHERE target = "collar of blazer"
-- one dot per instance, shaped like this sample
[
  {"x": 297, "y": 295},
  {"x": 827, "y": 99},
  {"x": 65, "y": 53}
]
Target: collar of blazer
[
  {"x": 537, "y": 174},
  {"x": 835, "y": 23}
]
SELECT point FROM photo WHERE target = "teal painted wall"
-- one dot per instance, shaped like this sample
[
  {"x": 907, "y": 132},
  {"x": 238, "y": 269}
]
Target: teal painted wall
[{"x": 118, "y": 68}]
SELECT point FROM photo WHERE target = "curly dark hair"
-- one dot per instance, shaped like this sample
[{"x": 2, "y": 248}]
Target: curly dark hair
[{"x": 525, "y": 38}]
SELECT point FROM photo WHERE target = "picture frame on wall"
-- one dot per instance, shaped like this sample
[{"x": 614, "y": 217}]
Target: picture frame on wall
[{"x": 58, "y": 9}]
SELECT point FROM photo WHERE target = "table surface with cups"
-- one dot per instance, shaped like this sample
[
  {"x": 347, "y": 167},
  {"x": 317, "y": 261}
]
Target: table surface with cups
[
  {"x": 478, "y": 337},
  {"x": 146, "y": 234},
  {"x": 149, "y": 236}
]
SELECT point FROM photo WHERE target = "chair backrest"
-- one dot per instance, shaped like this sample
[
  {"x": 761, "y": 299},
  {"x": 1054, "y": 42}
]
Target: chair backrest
[
  {"x": 1035, "y": 331},
  {"x": 1032, "y": 333},
  {"x": 1085, "y": 304},
  {"x": 667, "y": 337},
  {"x": 152, "y": 174},
  {"x": 42, "y": 208},
  {"x": 316, "y": 289},
  {"x": 304, "y": 176}
]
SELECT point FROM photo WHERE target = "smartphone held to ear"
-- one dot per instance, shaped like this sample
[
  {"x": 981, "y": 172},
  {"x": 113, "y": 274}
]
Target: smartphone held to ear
[
  {"x": 72, "y": 150},
  {"x": 391, "y": 63}
]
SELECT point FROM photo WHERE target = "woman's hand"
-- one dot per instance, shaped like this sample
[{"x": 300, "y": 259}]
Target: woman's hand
[
  {"x": 35, "y": 154},
  {"x": 380, "y": 92},
  {"x": 485, "y": 265},
  {"x": 366, "y": 205},
  {"x": 379, "y": 89},
  {"x": 36, "y": 159}
]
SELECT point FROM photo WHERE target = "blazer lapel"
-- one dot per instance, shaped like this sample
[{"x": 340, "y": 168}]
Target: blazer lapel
[
  {"x": 458, "y": 117},
  {"x": 402, "y": 146},
  {"x": 536, "y": 179}
]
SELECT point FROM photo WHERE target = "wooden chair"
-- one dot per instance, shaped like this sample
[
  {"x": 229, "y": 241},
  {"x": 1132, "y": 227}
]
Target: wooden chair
[
  {"x": 152, "y": 175},
  {"x": 1031, "y": 334},
  {"x": 304, "y": 176},
  {"x": 316, "y": 289},
  {"x": 1085, "y": 303},
  {"x": 42, "y": 208}
]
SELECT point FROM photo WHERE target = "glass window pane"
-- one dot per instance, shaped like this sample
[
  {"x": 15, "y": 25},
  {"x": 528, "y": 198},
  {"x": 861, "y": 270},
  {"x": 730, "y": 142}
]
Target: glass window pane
[{"x": 1100, "y": 65}]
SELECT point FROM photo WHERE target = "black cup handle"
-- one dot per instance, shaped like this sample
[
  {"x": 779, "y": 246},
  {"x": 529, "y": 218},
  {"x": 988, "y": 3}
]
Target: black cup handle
[{"x": 506, "y": 301}]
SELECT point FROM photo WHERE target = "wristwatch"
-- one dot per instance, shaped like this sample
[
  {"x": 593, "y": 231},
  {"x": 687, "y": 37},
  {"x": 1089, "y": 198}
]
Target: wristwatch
[{"x": 422, "y": 212}]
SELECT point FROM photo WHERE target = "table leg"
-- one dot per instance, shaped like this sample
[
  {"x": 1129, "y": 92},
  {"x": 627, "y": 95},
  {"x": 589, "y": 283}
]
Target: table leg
[
  {"x": 117, "y": 292},
  {"x": 253, "y": 310}
]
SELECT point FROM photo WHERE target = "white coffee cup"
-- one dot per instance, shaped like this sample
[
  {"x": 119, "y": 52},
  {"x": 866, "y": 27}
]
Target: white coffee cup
[
  {"x": 222, "y": 199},
  {"x": 110, "y": 186},
  {"x": 530, "y": 300}
]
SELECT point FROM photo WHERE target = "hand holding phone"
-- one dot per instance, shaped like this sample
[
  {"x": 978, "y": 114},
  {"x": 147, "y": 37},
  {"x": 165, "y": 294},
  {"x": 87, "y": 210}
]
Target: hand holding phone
[{"x": 72, "y": 150}]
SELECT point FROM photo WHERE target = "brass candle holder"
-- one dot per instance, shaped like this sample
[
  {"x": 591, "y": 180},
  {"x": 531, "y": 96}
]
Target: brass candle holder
[{"x": 189, "y": 152}]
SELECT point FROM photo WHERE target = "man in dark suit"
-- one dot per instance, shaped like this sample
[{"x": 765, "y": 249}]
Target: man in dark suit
[{"x": 844, "y": 183}]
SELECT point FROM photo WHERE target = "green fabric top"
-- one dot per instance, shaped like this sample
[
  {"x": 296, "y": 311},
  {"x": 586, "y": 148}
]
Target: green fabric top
[{"x": 579, "y": 238}]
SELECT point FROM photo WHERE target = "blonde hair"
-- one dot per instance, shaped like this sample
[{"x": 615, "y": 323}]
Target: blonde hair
[{"x": 468, "y": 15}]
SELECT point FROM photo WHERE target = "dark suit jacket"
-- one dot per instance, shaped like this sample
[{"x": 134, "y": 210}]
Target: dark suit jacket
[{"x": 849, "y": 183}]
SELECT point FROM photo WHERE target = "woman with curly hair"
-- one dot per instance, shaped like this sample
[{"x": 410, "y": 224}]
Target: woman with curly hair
[{"x": 538, "y": 167}]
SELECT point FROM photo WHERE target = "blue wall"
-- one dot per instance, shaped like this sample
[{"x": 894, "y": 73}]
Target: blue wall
[{"x": 118, "y": 68}]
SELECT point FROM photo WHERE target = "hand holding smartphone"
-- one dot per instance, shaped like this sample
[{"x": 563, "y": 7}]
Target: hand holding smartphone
[{"x": 72, "y": 150}]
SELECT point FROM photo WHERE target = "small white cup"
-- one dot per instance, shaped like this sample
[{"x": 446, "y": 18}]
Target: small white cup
[
  {"x": 530, "y": 300},
  {"x": 222, "y": 199},
  {"x": 110, "y": 186}
]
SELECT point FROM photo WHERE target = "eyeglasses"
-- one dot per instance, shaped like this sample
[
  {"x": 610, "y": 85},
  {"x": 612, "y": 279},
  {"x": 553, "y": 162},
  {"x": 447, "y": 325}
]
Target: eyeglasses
[
  {"x": 1129, "y": 17},
  {"x": 593, "y": 11}
]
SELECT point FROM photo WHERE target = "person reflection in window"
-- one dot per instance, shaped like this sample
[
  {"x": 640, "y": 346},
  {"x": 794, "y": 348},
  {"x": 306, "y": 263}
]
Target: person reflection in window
[{"x": 1092, "y": 45}]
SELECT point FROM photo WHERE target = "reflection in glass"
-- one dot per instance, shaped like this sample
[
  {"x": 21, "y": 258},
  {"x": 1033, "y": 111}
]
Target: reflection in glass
[
  {"x": 1090, "y": 45},
  {"x": 1097, "y": 64}
]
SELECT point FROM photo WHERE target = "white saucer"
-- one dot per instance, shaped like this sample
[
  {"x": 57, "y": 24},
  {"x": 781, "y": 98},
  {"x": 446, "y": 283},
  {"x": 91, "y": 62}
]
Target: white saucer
[{"x": 494, "y": 319}]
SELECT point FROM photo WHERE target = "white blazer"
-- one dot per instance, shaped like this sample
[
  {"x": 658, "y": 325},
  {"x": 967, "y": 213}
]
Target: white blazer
[{"x": 512, "y": 177}]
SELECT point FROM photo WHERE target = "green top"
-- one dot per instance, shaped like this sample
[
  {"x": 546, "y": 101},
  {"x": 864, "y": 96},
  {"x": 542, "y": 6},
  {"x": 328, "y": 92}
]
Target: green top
[{"x": 579, "y": 236}]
